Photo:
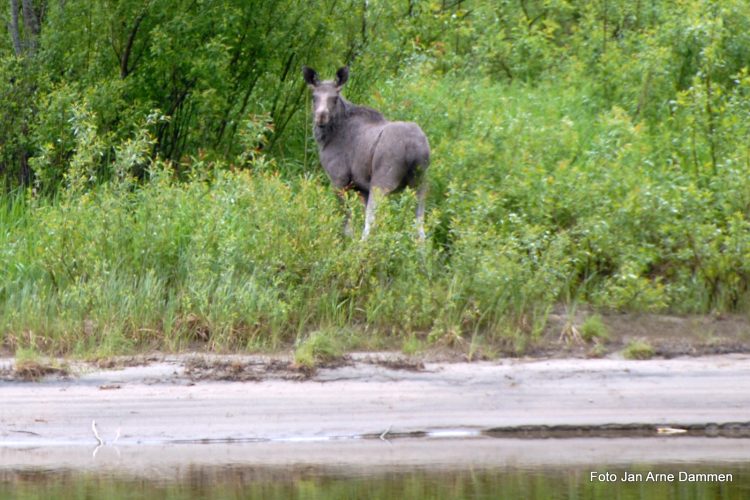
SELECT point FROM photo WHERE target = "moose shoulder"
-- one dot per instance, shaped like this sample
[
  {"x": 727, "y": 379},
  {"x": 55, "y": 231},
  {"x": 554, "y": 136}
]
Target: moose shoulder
[{"x": 361, "y": 150}]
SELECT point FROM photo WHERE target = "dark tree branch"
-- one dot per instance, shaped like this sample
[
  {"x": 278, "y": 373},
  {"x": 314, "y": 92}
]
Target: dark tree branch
[
  {"x": 506, "y": 69},
  {"x": 125, "y": 67},
  {"x": 525, "y": 10},
  {"x": 711, "y": 123},
  {"x": 448, "y": 6},
  {"x": 181, "y": 89},
  {"x": 540, "y": 16},
  {"x": 529, "y": 20},
  {"x": 605, "y": 20},
  {"x": 285, "y": 116}
]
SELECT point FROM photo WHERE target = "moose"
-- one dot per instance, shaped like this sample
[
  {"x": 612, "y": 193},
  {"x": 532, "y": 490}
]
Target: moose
[{"x": 361, "y": 150}]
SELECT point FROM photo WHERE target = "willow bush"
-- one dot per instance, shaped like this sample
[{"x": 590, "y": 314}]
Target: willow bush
[{"x": 161, "y": 185}]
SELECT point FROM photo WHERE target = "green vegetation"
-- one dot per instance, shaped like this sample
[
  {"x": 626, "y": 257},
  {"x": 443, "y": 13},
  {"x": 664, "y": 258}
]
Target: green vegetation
[
  {"x": 160, "y": 185},
  {"x": 319, "y": 347},
  {"x": 638, "y": 349},
  {"x": 594, "y": 329},
  {"x": 29, "y": 365}
]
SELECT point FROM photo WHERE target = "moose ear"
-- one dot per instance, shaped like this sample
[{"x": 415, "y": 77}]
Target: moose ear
[
  {"x": 342, "y": 75},
  {"x": 310, "y": 76}
]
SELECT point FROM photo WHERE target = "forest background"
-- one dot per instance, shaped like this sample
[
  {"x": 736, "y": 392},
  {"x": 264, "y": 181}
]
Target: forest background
[{"x": 161, "y": 188}]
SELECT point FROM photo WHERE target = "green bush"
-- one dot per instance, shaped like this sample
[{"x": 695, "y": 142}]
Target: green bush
[
  {"x": 638, "y": 349},
  {"x": 581, "y": 153},
  {"x": 594, "y": 329}
]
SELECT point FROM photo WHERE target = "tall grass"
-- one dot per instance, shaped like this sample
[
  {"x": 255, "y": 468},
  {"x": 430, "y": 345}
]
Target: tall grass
[{"x": 538, "y": 196}]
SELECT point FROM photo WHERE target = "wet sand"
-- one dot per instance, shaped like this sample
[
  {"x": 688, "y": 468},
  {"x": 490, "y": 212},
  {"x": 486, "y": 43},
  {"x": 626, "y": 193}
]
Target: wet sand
[{"x": 354, "y": 415}]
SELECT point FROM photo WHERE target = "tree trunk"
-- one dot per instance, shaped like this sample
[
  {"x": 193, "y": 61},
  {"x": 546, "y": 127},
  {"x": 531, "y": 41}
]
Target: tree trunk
[
  {"x": 13, "y": 28},
  {"x": 32, "y": 28},
  {"x": 31, "y": 23},
  {"x": 29, "y": 17}
]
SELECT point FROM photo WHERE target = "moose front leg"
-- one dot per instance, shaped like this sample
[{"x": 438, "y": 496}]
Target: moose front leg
[
  {"x": 373, "y": 198},
  {"x": 347, "y": 228},
  {"x": 341, "y": 195}
]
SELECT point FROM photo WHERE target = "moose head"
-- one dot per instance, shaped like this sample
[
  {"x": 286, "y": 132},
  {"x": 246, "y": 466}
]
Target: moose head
[{"x": 326, "y": 95}]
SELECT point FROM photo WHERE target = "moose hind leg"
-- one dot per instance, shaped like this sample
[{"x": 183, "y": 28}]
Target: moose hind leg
[{"x": 421, "y": 196}]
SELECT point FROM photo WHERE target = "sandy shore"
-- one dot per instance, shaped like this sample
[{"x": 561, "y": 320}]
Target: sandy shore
[{"x": 162, "y": 412}]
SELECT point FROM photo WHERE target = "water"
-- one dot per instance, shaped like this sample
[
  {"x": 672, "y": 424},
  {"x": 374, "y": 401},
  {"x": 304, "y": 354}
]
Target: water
[
  {"x": 450, "y": 468},
  {"x": 318, "y": 482}
]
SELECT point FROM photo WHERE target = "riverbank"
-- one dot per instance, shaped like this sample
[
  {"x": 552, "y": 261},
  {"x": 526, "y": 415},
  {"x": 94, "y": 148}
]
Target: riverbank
[{"x": 165, "y": 399}]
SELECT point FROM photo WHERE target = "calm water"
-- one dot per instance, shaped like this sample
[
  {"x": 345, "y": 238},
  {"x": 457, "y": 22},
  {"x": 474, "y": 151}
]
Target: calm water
[{"x": 318, "y": 482}]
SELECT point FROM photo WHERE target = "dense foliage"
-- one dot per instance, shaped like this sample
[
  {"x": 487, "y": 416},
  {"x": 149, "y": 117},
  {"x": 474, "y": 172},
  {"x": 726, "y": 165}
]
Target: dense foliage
[{"x": 161, "y": 184}]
